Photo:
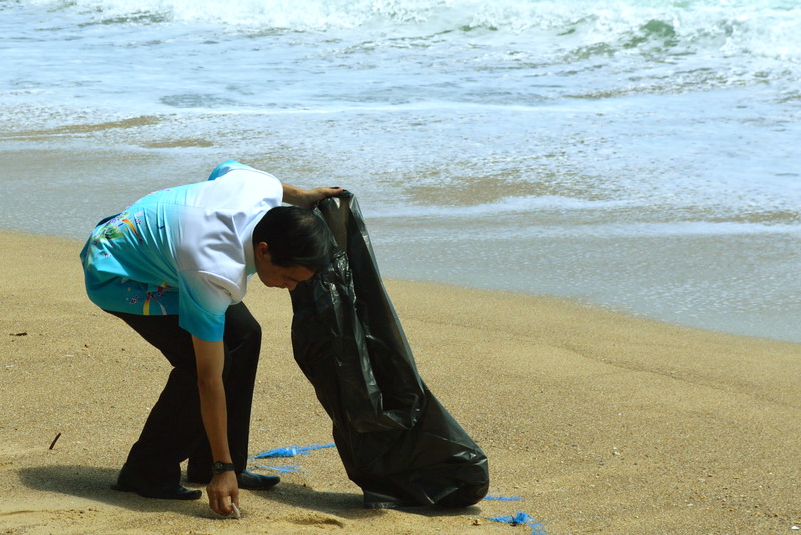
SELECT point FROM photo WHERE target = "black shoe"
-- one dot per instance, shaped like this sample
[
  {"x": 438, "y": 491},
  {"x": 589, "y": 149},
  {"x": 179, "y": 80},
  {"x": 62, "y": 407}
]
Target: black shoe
[
  {"x": 127, "y": 481},
  {"x": 245, "y": 480},
  {"x": 250, "y": 481}
]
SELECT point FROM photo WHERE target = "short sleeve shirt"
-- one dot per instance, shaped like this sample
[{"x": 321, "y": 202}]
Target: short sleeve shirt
[{"x": 185, "y": 250}]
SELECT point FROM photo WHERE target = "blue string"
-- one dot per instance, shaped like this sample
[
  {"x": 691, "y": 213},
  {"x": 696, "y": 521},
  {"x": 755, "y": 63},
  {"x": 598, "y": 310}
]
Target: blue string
[
  {"x": 291, "y": 451},
  {"x": 284, "y": 469},
  {"x": 521, "y": 518}
]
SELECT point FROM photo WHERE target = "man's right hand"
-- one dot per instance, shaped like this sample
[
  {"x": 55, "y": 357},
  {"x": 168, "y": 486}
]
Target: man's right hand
[
  {"x": 305, "y": 198},
  {"x": 223, "y": 491}
]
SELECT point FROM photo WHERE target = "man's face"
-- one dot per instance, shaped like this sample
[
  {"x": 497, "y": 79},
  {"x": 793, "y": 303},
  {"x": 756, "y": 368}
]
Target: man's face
[{"x": 276, "y": 276}]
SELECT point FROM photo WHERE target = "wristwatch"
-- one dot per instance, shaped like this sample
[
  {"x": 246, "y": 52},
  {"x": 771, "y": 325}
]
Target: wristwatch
[{"x": 220, "y": 467}]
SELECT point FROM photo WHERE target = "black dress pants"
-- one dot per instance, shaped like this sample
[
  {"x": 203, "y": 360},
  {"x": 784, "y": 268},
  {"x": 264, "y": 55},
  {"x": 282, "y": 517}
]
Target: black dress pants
[{"x": 174, "y": 429}]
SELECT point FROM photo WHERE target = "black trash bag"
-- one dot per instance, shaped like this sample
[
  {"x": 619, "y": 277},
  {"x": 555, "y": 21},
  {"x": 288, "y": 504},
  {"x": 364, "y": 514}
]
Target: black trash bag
[{"x": 396, "y": 441}]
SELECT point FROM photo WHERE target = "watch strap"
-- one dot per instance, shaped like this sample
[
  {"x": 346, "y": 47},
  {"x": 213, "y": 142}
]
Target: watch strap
[{"x": 220, "y": 467}]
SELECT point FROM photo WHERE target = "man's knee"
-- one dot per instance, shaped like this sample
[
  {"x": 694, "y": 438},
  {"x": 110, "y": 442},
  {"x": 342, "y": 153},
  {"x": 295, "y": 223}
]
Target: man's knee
[
  {"x": 242, "y": 330},
  {"x": 252, "y": 333}
]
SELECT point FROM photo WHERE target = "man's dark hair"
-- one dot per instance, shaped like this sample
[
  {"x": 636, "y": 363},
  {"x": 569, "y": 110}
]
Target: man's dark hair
[{"x": 294, "y": 237}]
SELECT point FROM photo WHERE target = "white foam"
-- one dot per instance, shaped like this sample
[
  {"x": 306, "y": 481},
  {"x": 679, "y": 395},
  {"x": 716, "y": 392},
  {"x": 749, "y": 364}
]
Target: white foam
[{"x": 506, "y": 205}]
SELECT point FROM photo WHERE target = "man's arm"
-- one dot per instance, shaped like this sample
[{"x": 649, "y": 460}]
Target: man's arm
[
  {"x": 210, "y": 359},
  {"x": 307, "y": 197}
]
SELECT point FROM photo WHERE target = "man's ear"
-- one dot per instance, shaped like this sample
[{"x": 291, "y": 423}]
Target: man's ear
[{"x": 262, "y": 250}]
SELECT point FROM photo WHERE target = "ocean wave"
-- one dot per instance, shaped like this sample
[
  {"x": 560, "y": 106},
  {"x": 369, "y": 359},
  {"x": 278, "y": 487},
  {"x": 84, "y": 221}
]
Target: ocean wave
[
  {"x": 658, "y": 19},
  {"x": 578, "y": 29},
  {"x": 643, "y": 214}
]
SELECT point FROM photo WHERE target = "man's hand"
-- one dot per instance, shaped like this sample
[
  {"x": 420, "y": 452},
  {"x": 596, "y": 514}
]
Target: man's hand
[
  {"x": 306, "y": 198},
  {"x": 221, "y": 488},
  {"x": 318, "y": 194}
]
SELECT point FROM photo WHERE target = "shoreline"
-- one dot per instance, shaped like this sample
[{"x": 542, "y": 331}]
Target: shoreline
[
  {"x": 734, "y": 282},
  {"x": 781, "y": 331},
  {"x": 598, "y": 421}
]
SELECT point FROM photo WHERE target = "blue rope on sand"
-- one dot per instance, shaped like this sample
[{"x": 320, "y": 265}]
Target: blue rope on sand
[
  {"x": 504, "y": 498},
  {"x": 519, "y": 519},
  {"x": 284, "y": 469},
  {"x": 291, "y": 451}
]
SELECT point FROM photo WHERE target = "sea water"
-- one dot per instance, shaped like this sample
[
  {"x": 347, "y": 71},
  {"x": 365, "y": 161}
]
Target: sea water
[{"x": 636, "y": 154}]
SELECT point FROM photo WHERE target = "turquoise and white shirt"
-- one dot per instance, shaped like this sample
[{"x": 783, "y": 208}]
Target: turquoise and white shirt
[{"x": 185, "y": 250}]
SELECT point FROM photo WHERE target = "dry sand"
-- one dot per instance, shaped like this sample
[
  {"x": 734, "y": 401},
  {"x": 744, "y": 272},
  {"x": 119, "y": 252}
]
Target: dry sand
[{"x": 600, "y": 422}]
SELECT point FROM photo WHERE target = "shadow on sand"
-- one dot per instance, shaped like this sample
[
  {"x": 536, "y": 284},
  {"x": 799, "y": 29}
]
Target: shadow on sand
[{"x": 94, "y": 483}]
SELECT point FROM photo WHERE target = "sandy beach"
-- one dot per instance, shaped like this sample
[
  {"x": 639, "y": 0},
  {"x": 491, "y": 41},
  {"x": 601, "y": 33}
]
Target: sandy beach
[{"x": 593, "y": 421}]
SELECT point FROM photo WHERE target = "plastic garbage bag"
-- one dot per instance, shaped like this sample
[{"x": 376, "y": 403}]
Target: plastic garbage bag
[{"x": 396, "y": 441}]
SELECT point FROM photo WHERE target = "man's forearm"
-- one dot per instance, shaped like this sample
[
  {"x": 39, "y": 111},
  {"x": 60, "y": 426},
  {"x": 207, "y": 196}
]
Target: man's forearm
[
  {"x": 215, "y": 418},
  {"x": 210, "y": 359},
  {"x": 294, "y": 195}
]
